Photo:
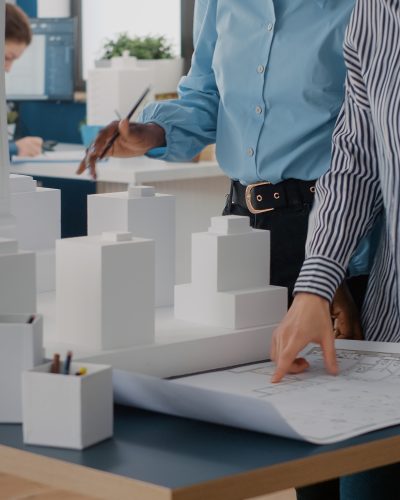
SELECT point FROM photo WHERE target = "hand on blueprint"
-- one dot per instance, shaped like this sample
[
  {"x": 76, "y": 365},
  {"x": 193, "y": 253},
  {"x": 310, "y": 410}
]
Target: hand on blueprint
[
  {"x": 346, "y": 321},
  {"x": 123, "y": 140},
  {"x": 29, "y": 146},
  {"x": 308, "y": 320}
]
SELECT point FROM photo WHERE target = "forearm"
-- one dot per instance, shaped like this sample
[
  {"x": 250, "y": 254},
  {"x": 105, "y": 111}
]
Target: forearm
[{"x": 348, "y": 200}]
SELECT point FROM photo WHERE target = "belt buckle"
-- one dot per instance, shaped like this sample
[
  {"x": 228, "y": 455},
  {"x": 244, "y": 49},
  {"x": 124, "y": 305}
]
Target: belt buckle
[{"x": 249, "y": 203}]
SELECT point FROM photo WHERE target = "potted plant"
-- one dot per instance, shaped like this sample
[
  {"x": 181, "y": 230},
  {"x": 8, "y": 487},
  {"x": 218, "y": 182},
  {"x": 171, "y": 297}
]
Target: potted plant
[{"x": 154, "y": 52}]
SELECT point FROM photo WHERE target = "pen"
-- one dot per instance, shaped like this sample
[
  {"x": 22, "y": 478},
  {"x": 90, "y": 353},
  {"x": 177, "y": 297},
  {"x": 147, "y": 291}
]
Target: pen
[
  {"x": 128, "y": 117},
  {"x": 67, "y": 363}
]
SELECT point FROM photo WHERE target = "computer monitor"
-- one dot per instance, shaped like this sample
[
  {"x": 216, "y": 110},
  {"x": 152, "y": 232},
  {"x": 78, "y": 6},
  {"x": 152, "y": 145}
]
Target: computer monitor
[{"x": 45, "y": 71}]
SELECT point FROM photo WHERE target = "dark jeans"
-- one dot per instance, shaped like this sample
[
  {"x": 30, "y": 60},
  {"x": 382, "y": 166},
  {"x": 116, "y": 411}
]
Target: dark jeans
[
  {"x": 288, "y": 236},
  {"x": 376, "y": 484}
]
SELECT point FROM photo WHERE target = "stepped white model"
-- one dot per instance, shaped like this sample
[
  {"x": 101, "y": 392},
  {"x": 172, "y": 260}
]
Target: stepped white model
[
  {"x": 145, "y": 214},
  {"x": 230, "y": 278},
  {"x": 37, "y": 213},
  {"x": 105, "y": 291}
]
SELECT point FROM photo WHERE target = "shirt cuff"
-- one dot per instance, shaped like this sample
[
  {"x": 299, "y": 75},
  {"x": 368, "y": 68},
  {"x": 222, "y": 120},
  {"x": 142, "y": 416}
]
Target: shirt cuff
[{"x": 321, "y": 276}]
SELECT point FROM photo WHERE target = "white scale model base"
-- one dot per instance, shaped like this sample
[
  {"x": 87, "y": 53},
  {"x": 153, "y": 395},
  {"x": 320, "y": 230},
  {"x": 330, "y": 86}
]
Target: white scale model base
[
  {"x": 105, "y": 291},
  {"x": 198, "y": 342},
  {"x": 37, "y": 212},
  {"x": 230, "y": 278},
  {"x": 145, "y": 214}
]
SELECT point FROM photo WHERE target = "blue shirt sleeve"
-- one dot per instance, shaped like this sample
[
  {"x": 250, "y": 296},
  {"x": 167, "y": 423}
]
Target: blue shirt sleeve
[
  {"x": 190, "y": 122},
  {"x": 363, "y": 258},
  {"x": 12, "y": 148}
]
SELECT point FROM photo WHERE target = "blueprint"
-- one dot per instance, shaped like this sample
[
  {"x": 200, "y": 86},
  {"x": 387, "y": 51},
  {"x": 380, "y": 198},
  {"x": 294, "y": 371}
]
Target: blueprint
[{"x": 313, "y": 406}]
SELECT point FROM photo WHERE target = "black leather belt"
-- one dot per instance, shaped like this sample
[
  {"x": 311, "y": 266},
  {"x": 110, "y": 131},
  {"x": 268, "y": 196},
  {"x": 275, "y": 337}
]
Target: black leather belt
[{"x": 265, "y": 197}]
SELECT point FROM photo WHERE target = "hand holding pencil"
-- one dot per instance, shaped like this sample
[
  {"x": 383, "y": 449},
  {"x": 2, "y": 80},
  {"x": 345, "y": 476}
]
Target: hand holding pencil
[{"x": 123, "y": 139}]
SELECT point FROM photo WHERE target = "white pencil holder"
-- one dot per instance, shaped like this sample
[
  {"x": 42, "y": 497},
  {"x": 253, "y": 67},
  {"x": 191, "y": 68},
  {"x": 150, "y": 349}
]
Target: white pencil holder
[
  {"x": 21, "y": 348},
  {"x": 67, "y": 411}
]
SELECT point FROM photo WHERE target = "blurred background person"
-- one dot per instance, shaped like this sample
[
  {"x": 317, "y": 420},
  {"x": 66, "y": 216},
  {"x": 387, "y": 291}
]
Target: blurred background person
[{"x": 18, "y": 37}]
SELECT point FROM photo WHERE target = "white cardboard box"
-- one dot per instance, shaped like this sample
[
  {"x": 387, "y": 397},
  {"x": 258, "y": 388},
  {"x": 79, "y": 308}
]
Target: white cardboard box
[
  {"x": 145, "y": 214},
  {"x": 18, "y": 279},
  {"x": 105, "y": 291},
  {"x": 67, "y": 411},
  {"x": 21, "y": 348}
]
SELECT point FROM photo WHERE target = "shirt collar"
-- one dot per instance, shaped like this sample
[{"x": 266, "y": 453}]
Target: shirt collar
[{"x": 321, "y": 3}]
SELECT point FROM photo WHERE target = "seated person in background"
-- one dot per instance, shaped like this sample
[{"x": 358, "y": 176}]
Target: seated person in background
[{"x": 18, "y": 37}]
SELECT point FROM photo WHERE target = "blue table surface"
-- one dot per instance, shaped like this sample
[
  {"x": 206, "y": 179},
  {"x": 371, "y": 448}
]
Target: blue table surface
[{"x": 176, "y": 452}]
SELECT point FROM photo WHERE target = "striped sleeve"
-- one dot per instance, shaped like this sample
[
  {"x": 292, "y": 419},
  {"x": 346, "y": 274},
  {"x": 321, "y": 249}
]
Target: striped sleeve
[{"x": 348, "y": 197}]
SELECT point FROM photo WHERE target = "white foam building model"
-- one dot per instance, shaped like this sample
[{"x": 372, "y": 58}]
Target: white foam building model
[
  {"x": 145, "y": 214},
  {"x": 17, "y": 269},
  {"x": 37, "y": 213},
  {"x": 105, "y": 291},
  {"x": 230, "y": 278}
]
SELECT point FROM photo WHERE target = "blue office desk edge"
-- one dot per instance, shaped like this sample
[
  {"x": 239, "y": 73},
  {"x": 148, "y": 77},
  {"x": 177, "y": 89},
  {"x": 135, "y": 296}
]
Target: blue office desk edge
[{"x": 177, "y": 453}]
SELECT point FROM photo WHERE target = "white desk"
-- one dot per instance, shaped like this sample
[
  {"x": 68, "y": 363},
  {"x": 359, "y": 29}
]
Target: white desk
[{"x": 200, "y": 190}]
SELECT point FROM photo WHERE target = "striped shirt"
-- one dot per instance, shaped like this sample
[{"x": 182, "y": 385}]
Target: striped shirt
[{"x": 364, "y": 179}]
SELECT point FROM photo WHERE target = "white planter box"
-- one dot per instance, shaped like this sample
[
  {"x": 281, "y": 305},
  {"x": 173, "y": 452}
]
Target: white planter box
[
  {"x": 21, "y": 348},
  {"x": 167, "y": 73},
  {"x": 67, "y": 411}
]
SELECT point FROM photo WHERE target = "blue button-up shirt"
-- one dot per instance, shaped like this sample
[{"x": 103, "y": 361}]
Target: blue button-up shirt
[{"x": 266, "y": 84}]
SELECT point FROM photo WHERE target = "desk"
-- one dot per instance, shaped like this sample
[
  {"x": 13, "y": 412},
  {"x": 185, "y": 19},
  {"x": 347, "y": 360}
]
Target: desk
[
  {"x": 200, "y": 190},
  {"x": 158, "y": 457}
]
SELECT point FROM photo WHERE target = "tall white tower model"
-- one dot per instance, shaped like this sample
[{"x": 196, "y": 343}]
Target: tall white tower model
[
  {"x": 7, "y": 222},
  {"x": 18, "y": 282}
]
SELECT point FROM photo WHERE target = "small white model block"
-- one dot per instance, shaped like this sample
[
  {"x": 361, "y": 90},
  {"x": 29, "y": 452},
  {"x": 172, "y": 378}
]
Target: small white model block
[
  {"x": 67, "y": 411},
  {"x": 236, "y": 309},
  {"x": 38, "y": 224},
  {"x": 37, "y": 212},
  {"x": 145, "y": 214},
  {"x": 105, "y": 291},
  {"x": 21, "y": 348},
  {"x": 18, "y": 279},
  {"x": 230, "y": 256}
]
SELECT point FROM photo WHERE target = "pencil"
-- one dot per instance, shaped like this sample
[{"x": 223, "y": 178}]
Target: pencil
[{"x": 113, "y": 138}]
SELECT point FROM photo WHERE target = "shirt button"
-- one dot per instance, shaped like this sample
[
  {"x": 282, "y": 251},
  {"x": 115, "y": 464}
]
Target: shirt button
[
  {"x": 270, "y": 26},
  {"x": 250, "y": 151},
  {"x": 259, "y": 110},
  {"x": 260, "y": 68}
]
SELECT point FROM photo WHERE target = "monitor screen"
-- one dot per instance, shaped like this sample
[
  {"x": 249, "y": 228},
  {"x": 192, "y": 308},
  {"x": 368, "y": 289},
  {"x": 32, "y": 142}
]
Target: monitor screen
[{"x": 46, "y": 68}]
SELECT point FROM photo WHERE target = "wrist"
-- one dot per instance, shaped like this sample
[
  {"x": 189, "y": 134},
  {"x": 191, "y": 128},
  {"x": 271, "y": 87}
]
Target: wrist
[
  {"x": 310, "y": 297},
  {"x": 155, "y": 136}
]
